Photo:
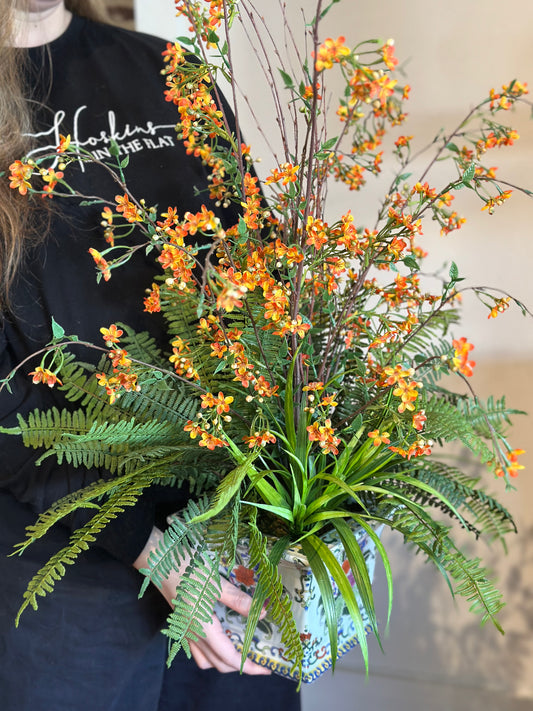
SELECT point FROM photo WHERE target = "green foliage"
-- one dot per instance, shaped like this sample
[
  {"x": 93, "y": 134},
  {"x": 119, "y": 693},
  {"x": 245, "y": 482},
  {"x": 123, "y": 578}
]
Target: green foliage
[
  {"x": 228, "y": 488},
  {"x": 232, "y": 532},
  {"x": 184, "y": 547},
  {"x": 270, "y": 590},
  {"x": 428, "y": 338},
  {"x": 44, "y": 581},
  {"x": 64, "y": 507},
  {"x": 104, "y": 444},
  {"x": 486, "y": 515},
  {"x": 487, "y": 418},
  {"x": 181, "y": 317},
  {"x": 142, "y": 346},
  {"x": 445, "y": 422},
  {"x": 193, "y": 607},
  {"x": 81, "y": 386},
  {"x": 265, "y": 349},
  {"x": 470, "y": 580},
  {"x": 179, "y": 542},
  {"x": 306, "y": 360},
  {"x": 43, "y": 428},
  {"x": 158, "y": 401},
  {"x": 473, "y": 583}
]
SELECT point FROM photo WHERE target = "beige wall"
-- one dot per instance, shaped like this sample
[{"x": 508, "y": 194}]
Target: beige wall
[{"x": 437, "y": 657}]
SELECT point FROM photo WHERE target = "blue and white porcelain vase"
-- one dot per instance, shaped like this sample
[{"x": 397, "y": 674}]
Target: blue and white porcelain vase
[{"x": 302, "y": 587}]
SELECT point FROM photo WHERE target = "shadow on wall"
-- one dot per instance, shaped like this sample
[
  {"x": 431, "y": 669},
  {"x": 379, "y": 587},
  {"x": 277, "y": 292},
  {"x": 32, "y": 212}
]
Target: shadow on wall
[
  {"x": 437, "y": 656},
  {"x": 434, "y": 639}
]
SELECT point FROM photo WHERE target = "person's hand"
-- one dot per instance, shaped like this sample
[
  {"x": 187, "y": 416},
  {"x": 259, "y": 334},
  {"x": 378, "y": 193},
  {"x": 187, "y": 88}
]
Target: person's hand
[{"x": 215, "y": 650}]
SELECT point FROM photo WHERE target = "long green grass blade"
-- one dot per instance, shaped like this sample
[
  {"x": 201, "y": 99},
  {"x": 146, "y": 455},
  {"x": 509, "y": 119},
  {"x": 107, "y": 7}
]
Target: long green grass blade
[
  {"x": 321, "y": 574},
  {"x": 384, "y": 559},
  {"x": 227, "y": 489},
  {"x": 359, "y": 570},
  {"x": 345, "y": 589}
]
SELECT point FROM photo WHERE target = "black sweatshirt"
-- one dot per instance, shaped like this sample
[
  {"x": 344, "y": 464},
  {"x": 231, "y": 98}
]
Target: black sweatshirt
[{"x": 96, "y": 82}]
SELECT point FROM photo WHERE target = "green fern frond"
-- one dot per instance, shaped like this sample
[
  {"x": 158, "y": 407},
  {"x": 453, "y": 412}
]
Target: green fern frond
[
  {"x": 158, "y": 401},
  {"x": 270, "y": 589},
  {"x": 43, "y": 428},
  {"x": 355, "y": 394},
  {"x": 226, "y": 530},
  {"x": 471, "y": 581},
  {"x": 186, "y": 470},
  {"x": 44, "y": 581},
  {"x": 420, "y": 530},
  {"x": 196, "y": 595},
  {"x": 490, "y": 517},
  {"x": 128, "y": 433},
  {"x": 473, "y": 584},
  {"x": 91, "y": 455},
  {"x": 142, "y": 346},
  {"x": 182, "y": 321},
  {"x": 80, "y": 385},
  {"x": 113, "y": 446},
  {"x": 271, "y": 352},
  {"x": 426, "y": 338},
  {"x": 181, "y": 316},
  {"x": 62, "y": 508},
  {"x": 84, "y": 498},
  {"x": 179, "y": 542},
  {"x": 446, "y": 422},
  {"x": 485, "y": 418}
]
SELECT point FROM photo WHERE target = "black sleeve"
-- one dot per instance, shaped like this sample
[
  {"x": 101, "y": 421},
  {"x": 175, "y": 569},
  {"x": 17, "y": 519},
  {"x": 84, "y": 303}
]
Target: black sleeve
[{"x": 41, "y": 486}]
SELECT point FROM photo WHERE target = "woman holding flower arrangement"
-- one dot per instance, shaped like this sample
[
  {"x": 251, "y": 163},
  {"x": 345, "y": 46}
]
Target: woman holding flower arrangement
[
  {"x": 95, "y": 645},
  {"x": 301, "y": 400}
]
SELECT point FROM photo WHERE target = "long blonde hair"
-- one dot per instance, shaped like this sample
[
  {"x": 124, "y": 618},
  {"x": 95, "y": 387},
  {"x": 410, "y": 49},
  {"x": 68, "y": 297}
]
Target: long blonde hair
[{"x": 19, "y": 216}]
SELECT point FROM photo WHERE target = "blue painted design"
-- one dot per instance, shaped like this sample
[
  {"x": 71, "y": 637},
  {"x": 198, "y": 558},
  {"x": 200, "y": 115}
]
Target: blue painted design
[{"x": 307, "y": 609}]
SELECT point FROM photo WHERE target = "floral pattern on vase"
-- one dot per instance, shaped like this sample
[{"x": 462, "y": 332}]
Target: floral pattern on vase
[{"x": 302, "y": 587}]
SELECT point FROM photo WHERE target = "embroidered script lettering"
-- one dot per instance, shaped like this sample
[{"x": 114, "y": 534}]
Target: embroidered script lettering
[{"x": 130, "y": 139}]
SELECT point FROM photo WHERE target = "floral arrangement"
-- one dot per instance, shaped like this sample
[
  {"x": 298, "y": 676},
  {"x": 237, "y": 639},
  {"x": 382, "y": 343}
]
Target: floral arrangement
[{"x": 308, "y": 378}]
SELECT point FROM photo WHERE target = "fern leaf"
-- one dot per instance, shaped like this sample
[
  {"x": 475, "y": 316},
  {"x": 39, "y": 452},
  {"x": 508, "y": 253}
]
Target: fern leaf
[
  {"x": 80, "y": 385},
  {"x": 194, "y": 604},
  {"x": 179, "y": 542},
  {"x": 84, "y": 498},
  {"x": 43, "y": 428},
  {"x": 45, "y": 579},
  {"x": 473, "y": 584},
  {"x": 471, "y": 581},
  {"x": 270, "y": 586},
  {"x": 142, "y": 346},
  {"x": 425, "y": 339},
  {"x": 490, "y": 517},
  {"x": 114, "y": 445},
  {"x": 446, "y": 422},
  {"x": 128, "y": 433},
  {"x": 488, "y": 417},
  {"x": 157, "y": 401}
]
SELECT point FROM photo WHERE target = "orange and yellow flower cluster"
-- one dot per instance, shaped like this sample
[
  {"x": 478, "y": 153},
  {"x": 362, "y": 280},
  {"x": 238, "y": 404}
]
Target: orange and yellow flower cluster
[
  {"x": 123, "y": 377},
  {"x": 330, "y": 52},
  {"x": 460, "y": 360}
]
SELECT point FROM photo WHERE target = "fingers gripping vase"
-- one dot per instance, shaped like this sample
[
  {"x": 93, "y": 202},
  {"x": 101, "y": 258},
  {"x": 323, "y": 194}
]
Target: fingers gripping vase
[{"x": 307, "y": 608}]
